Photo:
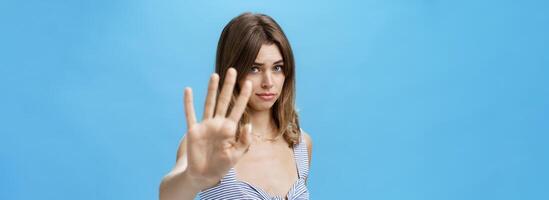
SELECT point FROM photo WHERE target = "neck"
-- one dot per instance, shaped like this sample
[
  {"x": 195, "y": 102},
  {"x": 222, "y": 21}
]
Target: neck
[{"x": 263, "y": 123}]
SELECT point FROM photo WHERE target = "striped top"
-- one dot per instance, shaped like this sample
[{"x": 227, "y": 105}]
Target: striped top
[{"x": 230, "y": 188}]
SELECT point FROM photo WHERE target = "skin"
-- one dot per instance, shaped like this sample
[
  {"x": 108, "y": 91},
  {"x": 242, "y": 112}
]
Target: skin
[{"x": 209, "y": 148}]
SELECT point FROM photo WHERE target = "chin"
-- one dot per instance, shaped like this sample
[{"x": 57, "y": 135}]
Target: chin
[{"x": 263, "y": 107}]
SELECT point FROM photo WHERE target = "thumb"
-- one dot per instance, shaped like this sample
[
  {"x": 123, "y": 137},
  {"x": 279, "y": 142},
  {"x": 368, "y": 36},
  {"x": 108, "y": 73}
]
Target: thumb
[{"x": 245, "y": 139}]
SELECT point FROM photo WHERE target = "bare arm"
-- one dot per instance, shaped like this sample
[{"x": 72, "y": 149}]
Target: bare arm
[
  {"x": 209, "y": 148},
  {"x": 177, "y": 184}
]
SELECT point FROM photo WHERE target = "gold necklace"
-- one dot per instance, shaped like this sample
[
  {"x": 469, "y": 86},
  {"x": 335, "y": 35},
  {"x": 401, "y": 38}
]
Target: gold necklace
[{"x": 261, "y": 137}]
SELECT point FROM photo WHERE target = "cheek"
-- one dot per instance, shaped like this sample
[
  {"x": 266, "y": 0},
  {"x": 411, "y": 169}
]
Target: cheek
[
  {"x": 256, "y": 86},
  {"x": 255, "y": 83},
  {"x": 280, "y": 82}
]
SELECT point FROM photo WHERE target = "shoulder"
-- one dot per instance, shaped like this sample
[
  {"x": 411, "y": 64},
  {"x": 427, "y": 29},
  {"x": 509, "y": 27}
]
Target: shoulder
[
  {"x": 308, "y": 141},
  {"x": 307, "y": 138}
]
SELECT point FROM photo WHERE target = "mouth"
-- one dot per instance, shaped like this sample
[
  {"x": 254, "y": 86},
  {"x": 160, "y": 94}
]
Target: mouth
[{"x": 266, "y": 96}]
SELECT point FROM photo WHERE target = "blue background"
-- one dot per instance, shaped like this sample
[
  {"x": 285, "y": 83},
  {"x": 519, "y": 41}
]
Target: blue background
[{"x": 403, "y": 99}]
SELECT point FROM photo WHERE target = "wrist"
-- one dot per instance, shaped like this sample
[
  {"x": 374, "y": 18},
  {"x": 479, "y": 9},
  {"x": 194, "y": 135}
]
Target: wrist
[
  {"x": 192, "y": 182},
  {"x": 198, "y": 183}
]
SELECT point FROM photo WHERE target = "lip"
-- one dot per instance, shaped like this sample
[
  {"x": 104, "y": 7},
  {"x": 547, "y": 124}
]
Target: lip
[{"x": 266, "y": 96}]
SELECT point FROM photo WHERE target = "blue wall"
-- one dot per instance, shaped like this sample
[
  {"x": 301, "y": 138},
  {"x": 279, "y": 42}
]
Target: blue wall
[{"x": 403, "y": 99}]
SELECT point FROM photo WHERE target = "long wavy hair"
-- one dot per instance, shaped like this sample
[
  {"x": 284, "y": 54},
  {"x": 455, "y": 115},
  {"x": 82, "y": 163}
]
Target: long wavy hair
[{"x": 238, "y": 47}]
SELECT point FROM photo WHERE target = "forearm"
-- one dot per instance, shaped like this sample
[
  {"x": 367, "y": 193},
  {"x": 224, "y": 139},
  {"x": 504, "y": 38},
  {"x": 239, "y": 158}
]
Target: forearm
[{"x": 178, "y": 186}]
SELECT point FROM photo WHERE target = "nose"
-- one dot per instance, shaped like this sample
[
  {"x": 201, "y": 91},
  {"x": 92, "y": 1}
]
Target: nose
[{"x": 267, "y": 82}]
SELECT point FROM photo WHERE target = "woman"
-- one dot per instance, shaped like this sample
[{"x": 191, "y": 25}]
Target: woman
[{"x": 249, "y": 144}]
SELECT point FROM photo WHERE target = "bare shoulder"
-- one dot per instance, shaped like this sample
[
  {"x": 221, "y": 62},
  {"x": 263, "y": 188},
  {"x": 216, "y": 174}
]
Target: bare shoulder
[{"x": 308, "y": 141}]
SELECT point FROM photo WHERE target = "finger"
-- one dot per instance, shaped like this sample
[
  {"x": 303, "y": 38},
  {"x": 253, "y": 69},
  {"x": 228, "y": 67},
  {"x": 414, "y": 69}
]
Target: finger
[
  {"x": 226, "y": 93},
  {"x": 189, "y": 108},
  {"x": 209, "y": 106},
  {"x": 244, "y": 140},
  {"x": 241, "y": 102}
]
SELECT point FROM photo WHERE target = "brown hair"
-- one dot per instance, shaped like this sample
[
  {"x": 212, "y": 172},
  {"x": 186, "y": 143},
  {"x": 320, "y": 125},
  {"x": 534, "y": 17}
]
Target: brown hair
[{"x": 238, "y": 47}]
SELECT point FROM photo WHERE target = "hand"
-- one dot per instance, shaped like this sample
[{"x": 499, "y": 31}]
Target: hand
[{"x": 212, "y": 147}]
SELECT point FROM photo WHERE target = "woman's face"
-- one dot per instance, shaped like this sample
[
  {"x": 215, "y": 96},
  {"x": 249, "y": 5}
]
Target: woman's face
[{"x": 267, "y": 78}]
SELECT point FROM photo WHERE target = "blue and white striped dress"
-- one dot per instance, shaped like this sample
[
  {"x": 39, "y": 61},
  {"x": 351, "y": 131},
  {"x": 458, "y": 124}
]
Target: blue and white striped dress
[{"x": 230, "y": 188}]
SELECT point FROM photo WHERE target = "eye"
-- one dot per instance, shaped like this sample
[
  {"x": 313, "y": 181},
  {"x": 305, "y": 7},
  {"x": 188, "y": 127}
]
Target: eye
[
  {"x": 278, "y": 68},
  {"x": 254, "y": 69}
]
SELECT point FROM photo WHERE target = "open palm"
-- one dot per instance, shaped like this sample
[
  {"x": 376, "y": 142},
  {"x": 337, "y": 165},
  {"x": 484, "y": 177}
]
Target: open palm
[{"x": 212, "y": 147}]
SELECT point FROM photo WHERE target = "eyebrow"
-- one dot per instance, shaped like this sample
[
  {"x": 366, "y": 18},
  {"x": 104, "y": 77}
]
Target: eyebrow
[{"x": 277, "y": 62}]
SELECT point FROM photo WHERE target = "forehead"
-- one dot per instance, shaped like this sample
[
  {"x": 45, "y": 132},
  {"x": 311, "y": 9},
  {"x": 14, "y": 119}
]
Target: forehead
[{"x": 268, "y": 53}]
